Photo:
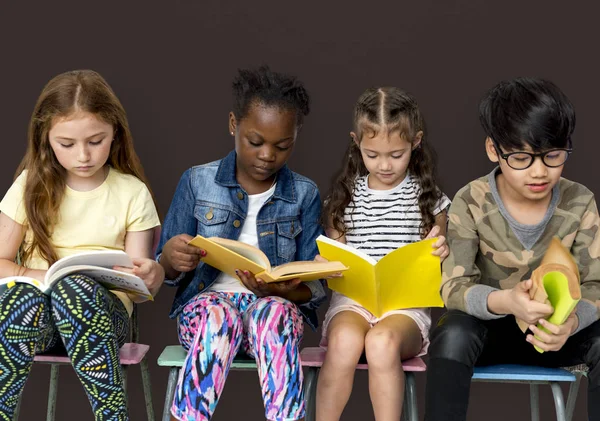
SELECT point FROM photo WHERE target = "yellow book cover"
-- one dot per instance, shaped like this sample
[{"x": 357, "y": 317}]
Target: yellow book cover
[
  {"x": 228, "y": 255},
  {"x": 556, "y": 282},
  {"x": 408, "y": 277}
]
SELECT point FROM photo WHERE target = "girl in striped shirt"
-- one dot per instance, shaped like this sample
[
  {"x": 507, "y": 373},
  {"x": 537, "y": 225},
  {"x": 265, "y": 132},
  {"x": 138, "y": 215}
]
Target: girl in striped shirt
[{"x": 385, "y": 197}]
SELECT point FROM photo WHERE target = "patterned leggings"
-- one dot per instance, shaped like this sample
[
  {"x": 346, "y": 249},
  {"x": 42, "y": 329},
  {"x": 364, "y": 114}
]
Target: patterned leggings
[
  {"x": 213, "y": 326},
  {"x": 92, "y": 323}
]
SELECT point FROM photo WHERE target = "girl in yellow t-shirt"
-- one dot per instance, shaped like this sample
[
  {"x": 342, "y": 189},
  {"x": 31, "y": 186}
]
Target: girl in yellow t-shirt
[{"x": 80, "y": 187}]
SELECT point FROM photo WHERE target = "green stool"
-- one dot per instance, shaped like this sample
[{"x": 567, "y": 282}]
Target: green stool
[{"x": 173, "y": 357}]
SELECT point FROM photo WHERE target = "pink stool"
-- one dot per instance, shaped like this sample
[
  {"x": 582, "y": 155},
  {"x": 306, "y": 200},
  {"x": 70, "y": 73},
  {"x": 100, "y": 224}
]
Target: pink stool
[{"x": 313, "y": 359}]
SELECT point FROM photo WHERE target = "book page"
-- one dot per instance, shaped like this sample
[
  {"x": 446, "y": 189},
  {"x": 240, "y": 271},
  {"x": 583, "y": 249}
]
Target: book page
[
  {"x": 110, "y": 278},
  {"x": 228, "y": 260},
  {"x": 410, "y": 277},
  {"x": 358, "y": 282},
  {"x": 101, "y": 258},
  {"x": 305, "y": 270}
]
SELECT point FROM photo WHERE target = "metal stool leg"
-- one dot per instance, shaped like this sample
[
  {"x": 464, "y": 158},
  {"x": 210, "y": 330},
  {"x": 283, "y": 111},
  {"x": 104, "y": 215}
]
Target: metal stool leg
[
  {"x": 559, "y": 401},
  {"x": 572, "y": 398},
  {"x": 17, "y": 409},
  {"x": 534, "y": 401},
  {"x": 310, "y": 393},
  {"x": 147, "y": 388},
  {"x": 52, "y": 393},
  {"x": 173, "y": 374},
  {"x": 410, "y": 397}
]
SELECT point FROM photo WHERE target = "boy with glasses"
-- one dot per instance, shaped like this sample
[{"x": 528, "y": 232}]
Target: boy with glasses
[{"x": 499, "y": 228}]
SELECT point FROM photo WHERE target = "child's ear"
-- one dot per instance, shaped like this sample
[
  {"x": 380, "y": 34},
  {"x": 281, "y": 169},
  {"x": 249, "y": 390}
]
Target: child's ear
[
  {"x": 355, "y": 139},
  {"x": 492, "y": 153},
  {"x": 232, "y": 123},
  {"x": 417, "y": 141}
]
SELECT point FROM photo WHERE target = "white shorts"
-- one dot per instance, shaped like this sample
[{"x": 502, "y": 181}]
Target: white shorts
[{"x": 339, "y": 303}]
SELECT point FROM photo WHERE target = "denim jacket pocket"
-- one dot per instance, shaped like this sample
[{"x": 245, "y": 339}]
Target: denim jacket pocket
[
  {"x": 210, "y": 219},
  {"x": 287, "y": 231}
]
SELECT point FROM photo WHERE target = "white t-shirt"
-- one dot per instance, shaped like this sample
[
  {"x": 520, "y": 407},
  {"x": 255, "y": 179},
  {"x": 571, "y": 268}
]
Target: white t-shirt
[{"x": 248, "y": 235}]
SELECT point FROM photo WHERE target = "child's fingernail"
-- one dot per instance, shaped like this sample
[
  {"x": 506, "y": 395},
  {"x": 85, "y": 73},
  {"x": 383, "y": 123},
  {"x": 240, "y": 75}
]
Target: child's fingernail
[
  {"x": 246, "y": 272},
  {"x": 202, "y": 253}
]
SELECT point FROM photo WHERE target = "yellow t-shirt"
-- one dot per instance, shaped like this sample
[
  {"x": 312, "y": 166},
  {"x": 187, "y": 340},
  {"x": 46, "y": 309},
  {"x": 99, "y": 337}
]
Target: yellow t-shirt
[{"x": 93, "y": 220}]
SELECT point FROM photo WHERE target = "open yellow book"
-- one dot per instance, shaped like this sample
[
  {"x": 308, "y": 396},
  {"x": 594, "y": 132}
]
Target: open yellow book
[
  {"x": 555, "y": 282},
  {"x": 229, "y": 255},
  {"x": 408, "y": 277}
]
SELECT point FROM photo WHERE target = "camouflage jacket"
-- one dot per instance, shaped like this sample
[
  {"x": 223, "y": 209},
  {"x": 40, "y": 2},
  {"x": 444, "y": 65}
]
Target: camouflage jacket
[{"x": 485, "y": 255}]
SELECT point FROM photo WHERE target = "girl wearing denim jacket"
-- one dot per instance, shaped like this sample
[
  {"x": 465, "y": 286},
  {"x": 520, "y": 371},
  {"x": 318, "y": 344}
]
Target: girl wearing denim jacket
[{"x": 251, "y": 196}]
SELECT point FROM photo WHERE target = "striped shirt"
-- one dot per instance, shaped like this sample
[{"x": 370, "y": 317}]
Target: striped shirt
[{"x": 380, "y": 221}]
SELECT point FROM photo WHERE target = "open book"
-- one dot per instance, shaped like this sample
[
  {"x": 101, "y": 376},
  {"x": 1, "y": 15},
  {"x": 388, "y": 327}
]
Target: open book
[
  {"x": 229, "y": 255},
  {"x": 407, "y": 277},
  {"x": 95, "y": 264},
  {"x": 555, "y": 282}
]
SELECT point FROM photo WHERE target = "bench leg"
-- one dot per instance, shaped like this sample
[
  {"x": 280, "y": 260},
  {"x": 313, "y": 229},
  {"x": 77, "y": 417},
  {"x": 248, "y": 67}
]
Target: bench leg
[
  {"x": 410, "y": 410},
  {"x": 147, "y": 388},
  {"x": 534, "y": 401},
  {"x": 572, "y": 399},
  {"x": 559, "y": 401},
  {"x": 52, "y": 393},
  {"x": 173, "y": 374},
  {"x": 310, "y": 393}
]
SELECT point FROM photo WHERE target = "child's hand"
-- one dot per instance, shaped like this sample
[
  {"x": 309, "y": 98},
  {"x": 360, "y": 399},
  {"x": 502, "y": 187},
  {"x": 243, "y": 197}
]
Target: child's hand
[
  {"x": 555, "y": 338},
  {"x": 319, "y": 258},
  {"x": 148, "y": 270},
  {"x": 180, "y": 256},
  {"x": 523, "y": 307},
  {"x": 440, "y": 246},
  {"x": 264, "y": 289}
]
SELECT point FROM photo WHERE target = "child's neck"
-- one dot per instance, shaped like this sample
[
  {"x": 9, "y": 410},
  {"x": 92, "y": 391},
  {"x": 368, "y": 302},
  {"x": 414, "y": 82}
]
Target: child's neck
[
  {"x": 252, "y": 186},
  {"x": 84, "y": 184},
  {"x": 523, "y": 210}
]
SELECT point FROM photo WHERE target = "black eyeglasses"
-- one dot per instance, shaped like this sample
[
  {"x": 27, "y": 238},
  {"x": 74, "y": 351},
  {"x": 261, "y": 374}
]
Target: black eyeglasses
[{"x": 523, "y": 160}]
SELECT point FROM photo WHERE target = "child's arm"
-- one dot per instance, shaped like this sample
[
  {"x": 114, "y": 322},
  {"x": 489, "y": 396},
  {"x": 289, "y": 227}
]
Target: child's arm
[
  {"x": 460, "y": 275},
  {"x": 173, "y": 253},
  {"x": 11, "y": 237},
  {"x": 138, "y": 245},
  {"x": 586, "y": 251},
  {"x": 439, "y": 231}
]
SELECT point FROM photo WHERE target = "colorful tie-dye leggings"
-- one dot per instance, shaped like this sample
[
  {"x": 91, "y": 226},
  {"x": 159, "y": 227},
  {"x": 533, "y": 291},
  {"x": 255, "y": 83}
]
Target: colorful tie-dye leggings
[
  {"x": 213, "y": 326},
  {"x": 92, "y": 323}
]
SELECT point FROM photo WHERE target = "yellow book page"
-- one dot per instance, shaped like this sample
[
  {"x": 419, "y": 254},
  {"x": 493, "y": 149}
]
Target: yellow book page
[
  {"x": 229, "y": 255},
  {"x": 409, "y": 277},
  {"x": 358, "y": 282},
  {"x": 305, "y": 270}
]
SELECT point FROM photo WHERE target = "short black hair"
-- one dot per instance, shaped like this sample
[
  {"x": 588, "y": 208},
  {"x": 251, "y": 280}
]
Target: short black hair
[
  {"x": 265, "y": 87},
  {"x": 527, "y": 111}
]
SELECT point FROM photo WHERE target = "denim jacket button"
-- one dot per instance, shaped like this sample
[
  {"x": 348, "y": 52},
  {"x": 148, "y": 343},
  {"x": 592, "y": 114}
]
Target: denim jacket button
[
  {"x": 209, "y": 215},
  {"x": 240, "y": 195},
  {"x": 237, "y": 223},
  {"x": 201, "y": 286}
]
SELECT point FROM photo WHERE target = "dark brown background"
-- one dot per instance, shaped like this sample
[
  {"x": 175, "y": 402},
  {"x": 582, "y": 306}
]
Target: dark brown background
[{"x": 172, "y": 64}]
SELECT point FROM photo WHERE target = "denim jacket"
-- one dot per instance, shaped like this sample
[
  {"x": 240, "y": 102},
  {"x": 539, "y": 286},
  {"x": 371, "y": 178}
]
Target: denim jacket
[{"x": 210, "y": 202}]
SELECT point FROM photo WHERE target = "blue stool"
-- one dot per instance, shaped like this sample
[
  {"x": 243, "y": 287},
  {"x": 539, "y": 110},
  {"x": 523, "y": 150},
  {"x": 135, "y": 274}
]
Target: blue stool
[{"x": 534, "y": 376}]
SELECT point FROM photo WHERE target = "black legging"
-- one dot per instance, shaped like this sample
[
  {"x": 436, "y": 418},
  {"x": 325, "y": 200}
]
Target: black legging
[{"x": 460, "y": 342}]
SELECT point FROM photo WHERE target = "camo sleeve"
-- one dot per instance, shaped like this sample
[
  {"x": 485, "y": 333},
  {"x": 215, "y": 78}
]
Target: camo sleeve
[{"x": 586, "y": 250}]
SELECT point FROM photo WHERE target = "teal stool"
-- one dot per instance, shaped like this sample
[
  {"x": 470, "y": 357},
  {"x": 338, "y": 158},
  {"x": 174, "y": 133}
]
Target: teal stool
[{"x": 173, "y": 357}]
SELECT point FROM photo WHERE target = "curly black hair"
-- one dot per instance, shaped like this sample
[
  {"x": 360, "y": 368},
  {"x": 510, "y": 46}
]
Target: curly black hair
[{"x": 265, "y": 87}]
